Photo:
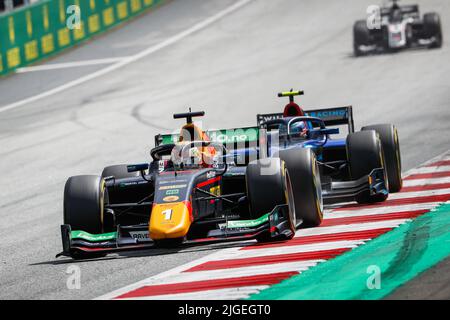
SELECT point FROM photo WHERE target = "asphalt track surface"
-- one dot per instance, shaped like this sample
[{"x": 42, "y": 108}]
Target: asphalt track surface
[{"x": 231, "y": 68}]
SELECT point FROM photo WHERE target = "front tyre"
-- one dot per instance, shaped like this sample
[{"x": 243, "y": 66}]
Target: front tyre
[
  {"x": 433, "y": 28},
  {"x": 364, "y": 154},
  {"x": 361, "y": 37},
  {"x": 83, "y": 203},
  {"x": 391, "y": 147},
  {"x": 267, "y": 188},
  {"x": 304, "y": 179}
]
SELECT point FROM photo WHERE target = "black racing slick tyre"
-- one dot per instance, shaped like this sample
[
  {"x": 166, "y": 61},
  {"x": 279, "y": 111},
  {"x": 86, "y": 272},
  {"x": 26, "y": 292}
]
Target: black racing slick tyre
[
  {"x": 265, "y": 186},
  {"x": 119, "y": 172},
  {"x": 304, "y": 179},
  {"x": 361, "y": 36},
  {"x": 83, "y": 203},
  {"x": 433, "y": 28},
  {"x": 391, "y": 148},
  {"x": 266, "y": 189},
  {"x": 365, "y": 153}
]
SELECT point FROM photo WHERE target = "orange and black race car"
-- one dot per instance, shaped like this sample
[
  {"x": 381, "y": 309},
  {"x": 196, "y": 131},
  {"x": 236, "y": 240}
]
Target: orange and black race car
[{"x": 193, "y": 191}]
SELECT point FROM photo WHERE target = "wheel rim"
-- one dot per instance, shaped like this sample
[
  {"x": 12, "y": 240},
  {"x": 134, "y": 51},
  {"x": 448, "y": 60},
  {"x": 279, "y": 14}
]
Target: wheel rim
[
  {"x": 290, "y": 200},
  {"x": 383, "y": 165},
  {"x": 318, "y": 188},
  {"x": 102, "y": 203},
  {"x": 397, "y": 154}
]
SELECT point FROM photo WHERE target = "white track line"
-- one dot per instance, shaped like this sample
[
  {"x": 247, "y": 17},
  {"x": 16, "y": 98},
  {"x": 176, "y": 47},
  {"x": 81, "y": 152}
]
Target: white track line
[
  {"x": 73, "y": 64},
  {"x": 423, "y": 182},
  {"x": 442, "y": 157},
  {"x": 303, "y": 248},
  {"x": 418, "y": 194},
  {"x": 233, "y": 273},
  {"x": 379, "y": 210},
  {"x": 350, "y": 228},
  {"x": 221, "y": 294},
  {"x": 430, "y": 170},
  {"x": 166, "y": 43}
]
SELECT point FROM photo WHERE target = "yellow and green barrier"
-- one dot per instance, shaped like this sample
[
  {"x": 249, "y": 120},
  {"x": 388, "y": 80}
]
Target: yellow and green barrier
[{"x": 40, "y": 30}]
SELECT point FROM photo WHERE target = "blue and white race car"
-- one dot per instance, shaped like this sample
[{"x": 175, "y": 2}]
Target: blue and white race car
[{"x": 363, "y": 166}]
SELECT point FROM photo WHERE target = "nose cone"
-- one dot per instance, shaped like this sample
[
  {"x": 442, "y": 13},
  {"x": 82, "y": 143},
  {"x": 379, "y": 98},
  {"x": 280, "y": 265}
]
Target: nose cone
[{"x": 170, "y": 220}]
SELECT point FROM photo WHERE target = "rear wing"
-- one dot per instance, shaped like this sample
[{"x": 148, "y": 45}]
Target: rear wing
[
  {"x": 406, "y": 10},
  {"x": 232, "y": 138},
  {"x": 330, "y": 116}
]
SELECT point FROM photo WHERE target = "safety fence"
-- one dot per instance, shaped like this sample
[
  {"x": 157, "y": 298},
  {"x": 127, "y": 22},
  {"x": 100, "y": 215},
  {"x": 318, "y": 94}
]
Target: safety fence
[{"x": 43, "y": 29}]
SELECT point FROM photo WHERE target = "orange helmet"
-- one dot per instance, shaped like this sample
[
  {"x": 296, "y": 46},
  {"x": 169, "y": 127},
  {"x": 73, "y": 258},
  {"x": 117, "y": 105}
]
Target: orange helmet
[{"x": 190, "y": 132}]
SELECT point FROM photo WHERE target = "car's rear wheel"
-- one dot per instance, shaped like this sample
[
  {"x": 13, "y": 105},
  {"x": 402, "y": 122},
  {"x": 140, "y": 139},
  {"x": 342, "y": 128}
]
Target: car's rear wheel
[
  {"x": 365, "y": 153},
  {"x": 391, "y": 148}
]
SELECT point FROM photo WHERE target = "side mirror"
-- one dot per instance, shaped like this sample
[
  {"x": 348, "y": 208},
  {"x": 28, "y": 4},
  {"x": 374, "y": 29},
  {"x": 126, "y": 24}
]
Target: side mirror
[
  {"x": 138, "y": 167},
  {"x": 315, "y": 133}
]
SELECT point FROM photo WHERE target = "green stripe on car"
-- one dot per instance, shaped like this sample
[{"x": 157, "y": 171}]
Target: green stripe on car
[
  {"x": 82, "y": 235},
  {"x": 247, "y": 223}
]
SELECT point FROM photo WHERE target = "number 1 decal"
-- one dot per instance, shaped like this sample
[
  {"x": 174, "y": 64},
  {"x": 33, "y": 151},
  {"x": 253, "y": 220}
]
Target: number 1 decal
[{"x": 167, "y": 214}]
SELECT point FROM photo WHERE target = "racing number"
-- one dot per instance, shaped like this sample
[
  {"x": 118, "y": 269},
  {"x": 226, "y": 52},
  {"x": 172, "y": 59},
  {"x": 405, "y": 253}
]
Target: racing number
[
  {"x": 373, "y": 17},
  {"x": 167, "y": 214}
]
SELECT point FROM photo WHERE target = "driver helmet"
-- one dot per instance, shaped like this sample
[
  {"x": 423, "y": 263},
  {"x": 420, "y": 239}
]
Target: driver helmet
[
  {"x": 195, "y": 156},
  {"x": 294, "y": 110},
  {"x": 396, "y": 13}
]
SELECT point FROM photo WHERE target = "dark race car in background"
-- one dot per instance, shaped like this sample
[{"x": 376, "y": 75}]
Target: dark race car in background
[{"x": 401, "y": 27}]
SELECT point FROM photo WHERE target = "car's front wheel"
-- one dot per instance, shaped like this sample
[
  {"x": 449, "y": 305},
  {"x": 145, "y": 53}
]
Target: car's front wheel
[
  {"x": 84, "y": 207},
  {"x": 304, "y": 179},
  {"x": 365, "y": 153},
  {"x": 361, "y": 36},
  {"x": 83, "y": 203},
  {"x": 433, "y": 28},
  {"x": 391, "y": 148}
]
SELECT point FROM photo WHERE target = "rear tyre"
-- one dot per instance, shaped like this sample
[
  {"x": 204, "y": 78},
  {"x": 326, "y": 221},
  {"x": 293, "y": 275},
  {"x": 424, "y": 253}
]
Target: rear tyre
[
  {"x": 83, "y": 203},
  {"x": 391, "y": 148},
  {"x": 432, "y": 28},
  {"x": 119, "y": 172},
  {"x": 361, "y": 36},
  {"x": 365, "y": 153}
]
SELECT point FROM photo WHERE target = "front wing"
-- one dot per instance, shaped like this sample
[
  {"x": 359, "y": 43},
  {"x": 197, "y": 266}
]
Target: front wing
[
  {"x": 342, "y": 191},
  {"x": 80, "y": 244}
]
